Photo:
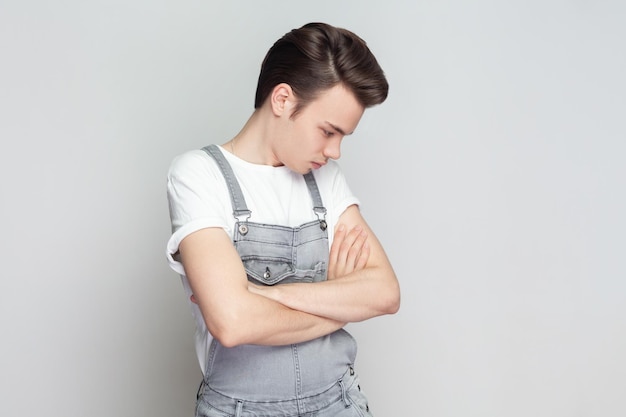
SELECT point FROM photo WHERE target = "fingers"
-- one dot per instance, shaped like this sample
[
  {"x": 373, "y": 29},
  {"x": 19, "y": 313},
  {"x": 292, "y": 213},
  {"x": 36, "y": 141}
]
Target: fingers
[
  {"x": 349, "y": 252},
  {"x": 363, "y": 257},
  {"x": 353, "y": 245}
]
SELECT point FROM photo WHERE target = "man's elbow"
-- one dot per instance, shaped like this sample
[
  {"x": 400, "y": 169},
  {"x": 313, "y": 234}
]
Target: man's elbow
[
  {"x": 228, "y": 339},
  {"x": 393, "y": 306},
  {"x": 391, "y": 301},
  {"x": 226, "y": 333}
]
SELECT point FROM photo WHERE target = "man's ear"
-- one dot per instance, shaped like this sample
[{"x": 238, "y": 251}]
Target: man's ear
[{"x": 282, "y": 100}]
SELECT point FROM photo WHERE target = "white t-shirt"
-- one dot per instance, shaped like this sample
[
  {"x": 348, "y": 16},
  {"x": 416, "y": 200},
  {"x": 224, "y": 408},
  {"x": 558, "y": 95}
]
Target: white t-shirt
[{"x": 198, "y": 198}]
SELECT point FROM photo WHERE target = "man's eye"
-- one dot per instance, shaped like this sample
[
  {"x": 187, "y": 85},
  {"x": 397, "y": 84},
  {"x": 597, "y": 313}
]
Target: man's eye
[{"x": 327, "y": 133}]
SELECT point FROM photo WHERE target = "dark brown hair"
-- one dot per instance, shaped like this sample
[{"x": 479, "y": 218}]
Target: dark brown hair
[{"x": 316, "y": 57}]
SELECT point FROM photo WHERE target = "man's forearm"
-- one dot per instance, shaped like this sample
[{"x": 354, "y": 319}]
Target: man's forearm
[
  {"x": 266, "y": 322},
  {"x": 356, "y": 297}
]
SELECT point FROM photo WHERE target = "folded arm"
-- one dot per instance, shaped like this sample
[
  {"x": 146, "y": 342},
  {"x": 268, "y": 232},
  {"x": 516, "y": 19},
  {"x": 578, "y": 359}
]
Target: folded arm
[
  {"x": 233, "y": 314},
  {"x": 365, "y": 292}
]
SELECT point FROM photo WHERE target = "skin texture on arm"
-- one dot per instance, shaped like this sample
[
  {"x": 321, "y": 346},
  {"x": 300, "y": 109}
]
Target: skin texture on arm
[
  {"x": 365, "y": 292},
  {"x": 233, "y": 314}
]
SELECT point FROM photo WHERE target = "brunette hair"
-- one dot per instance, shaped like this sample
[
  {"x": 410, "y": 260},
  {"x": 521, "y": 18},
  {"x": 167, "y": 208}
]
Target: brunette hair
[{"x": 316, "y": 57}]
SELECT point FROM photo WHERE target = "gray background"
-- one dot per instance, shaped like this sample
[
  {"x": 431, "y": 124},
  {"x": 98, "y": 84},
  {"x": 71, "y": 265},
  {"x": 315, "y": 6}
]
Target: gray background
[{"x": 493, "y": 174}]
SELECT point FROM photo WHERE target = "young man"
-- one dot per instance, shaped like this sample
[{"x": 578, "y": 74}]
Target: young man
[{"x": 252, "y": 220}]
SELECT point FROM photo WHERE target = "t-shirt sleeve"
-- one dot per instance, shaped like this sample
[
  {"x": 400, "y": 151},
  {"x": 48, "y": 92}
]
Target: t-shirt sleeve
[
  {"x": 198, "y": 198},
  {"x": 340, "y": 193}
]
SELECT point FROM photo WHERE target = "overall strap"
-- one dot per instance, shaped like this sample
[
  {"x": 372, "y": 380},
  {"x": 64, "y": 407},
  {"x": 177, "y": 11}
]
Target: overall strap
[
  {"x": 318, "y": 206},
  {"x": 240, "y": 208}
]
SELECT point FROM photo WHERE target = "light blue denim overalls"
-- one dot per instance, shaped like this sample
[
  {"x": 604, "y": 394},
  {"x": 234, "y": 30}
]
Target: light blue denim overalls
[{"x": 312, "y": 379}]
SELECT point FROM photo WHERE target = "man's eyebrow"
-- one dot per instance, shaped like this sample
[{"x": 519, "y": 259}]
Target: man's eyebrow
[{"x": 338, "y": 129}]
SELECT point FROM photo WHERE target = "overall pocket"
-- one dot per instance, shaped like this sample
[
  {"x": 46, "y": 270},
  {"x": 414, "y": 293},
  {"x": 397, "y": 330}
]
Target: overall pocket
[{"x": 269, "y": 271}]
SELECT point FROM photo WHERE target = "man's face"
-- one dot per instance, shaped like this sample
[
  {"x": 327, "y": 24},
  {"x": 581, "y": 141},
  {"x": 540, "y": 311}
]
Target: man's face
[{"x": 314, "y": 135}]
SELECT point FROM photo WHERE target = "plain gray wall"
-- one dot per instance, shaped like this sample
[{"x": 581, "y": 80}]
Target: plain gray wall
[{"x": 494, "y": 176}]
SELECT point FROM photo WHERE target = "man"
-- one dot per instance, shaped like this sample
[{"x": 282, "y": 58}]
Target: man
[{"x": 252, "y": 221}]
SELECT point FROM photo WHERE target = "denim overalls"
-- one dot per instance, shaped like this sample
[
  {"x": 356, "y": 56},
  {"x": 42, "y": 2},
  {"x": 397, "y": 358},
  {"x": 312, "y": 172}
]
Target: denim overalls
[{"x": 315, "y": 378}]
